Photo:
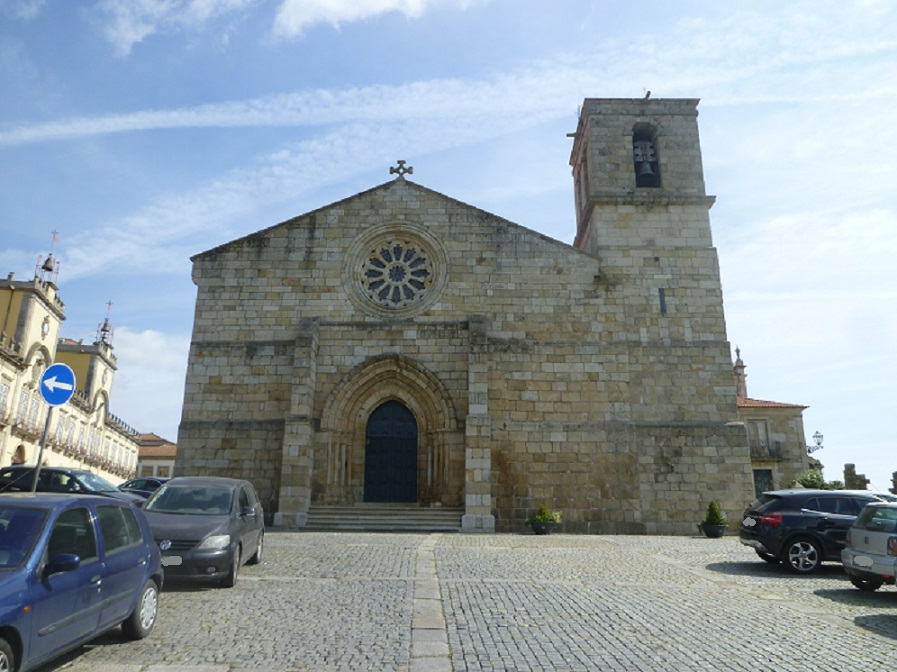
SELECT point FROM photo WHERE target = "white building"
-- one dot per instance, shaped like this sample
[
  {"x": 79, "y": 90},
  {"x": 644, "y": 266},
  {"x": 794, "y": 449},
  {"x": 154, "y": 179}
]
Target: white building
[{"x": 82, "y": 433}]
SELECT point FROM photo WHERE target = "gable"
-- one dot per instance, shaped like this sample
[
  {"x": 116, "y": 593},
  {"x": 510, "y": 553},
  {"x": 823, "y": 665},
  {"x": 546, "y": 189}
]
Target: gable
[
  {"x": 395, "y": 251},
  {"x": 367, "y": 200}
]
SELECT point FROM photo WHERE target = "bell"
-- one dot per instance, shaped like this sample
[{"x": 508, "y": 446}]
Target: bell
[
  {"x": 48, "y": 264},
  {"x": 645, "y": 168}
]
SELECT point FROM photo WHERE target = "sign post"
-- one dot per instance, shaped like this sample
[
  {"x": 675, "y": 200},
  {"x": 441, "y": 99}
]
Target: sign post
[{"x": 57, "y": 386}]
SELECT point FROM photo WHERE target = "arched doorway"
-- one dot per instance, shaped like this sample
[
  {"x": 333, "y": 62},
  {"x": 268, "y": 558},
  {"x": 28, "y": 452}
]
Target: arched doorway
[{"x": 390, "y": 457}]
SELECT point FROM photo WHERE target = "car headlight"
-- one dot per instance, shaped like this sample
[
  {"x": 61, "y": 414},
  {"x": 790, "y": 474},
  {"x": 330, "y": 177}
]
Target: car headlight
[{"x": 215, "y": 542}]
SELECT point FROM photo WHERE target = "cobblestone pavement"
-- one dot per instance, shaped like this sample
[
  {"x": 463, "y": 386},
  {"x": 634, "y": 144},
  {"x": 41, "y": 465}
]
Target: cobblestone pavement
[{"x": 522, "y": 603}]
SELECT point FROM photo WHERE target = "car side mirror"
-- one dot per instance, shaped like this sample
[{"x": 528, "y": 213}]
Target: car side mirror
[
  {"x": 248, "y": 512},
  {"x": 64, "y": 562}
]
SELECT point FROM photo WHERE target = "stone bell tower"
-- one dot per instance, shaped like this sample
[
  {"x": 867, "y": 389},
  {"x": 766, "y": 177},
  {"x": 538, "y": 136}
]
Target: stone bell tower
[
  {"x": 639, "y": 160},
  {"x": 642, "y": 211}
]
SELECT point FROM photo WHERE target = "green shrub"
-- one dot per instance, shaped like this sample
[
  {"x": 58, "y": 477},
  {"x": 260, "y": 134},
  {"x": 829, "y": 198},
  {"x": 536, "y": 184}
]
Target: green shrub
[
  {"x": 813, "y": 479},
  {"x": 714, "y": 515},
  {"x": 544, "y": 515}
]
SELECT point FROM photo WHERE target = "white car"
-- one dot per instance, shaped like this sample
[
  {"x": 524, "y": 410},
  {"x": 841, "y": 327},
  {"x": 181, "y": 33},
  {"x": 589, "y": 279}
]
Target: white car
[{"x": 870, "y": 557}]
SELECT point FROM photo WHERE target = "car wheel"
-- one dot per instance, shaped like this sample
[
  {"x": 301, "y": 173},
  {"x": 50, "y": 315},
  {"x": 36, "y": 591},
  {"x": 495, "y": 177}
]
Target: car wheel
[
  {"x": 803, "y": 556},
  {"x": 869, "y": 585},
  {"x": 769, "y": 557},
  {"x": 257, "y": 556},
  {"x": 141, "y": 621},
  {"x": 230, "y": 580},
  {"x": 7, "y": 659}
]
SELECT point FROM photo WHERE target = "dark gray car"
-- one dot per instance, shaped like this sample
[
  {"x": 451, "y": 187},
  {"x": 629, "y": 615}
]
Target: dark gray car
[
  {"x": 206, "y": 527},
  {"x": 19, "y": 478},
  {"x": 143, "y": 486}
]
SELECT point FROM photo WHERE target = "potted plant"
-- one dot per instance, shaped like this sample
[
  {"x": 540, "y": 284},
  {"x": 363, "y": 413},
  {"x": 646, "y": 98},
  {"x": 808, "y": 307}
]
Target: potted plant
[
  {"x": 544, "y": 520},
  {"x": 715, "y": 522}
]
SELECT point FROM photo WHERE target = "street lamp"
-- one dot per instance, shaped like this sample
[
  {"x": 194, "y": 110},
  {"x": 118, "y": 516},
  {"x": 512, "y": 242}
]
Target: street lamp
[{"x": 817, "y": 437}]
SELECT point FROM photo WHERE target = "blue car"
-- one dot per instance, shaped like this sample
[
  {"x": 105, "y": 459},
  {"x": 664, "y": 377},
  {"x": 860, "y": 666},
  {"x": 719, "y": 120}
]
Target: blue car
[{"x": 72, "y": 567}]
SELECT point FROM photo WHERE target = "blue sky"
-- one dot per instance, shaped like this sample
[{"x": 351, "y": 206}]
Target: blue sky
[{"x": 147, "y": 131}]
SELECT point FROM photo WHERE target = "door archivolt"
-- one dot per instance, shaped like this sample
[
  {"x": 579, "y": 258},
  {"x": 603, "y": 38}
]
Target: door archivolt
[
  {"x": 389, "y": 377},
  {"x": 345, "y": 417}
]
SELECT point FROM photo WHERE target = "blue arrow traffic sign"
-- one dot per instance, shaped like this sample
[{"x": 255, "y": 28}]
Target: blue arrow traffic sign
[{"x": 57, "y": 385}]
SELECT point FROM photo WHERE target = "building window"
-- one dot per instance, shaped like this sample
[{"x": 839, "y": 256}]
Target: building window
[
  {"x": 32, "y": 416},
  {"x": 396, "y": 273},
  {"x": 762, "y": 481},
  {"x": 4, "y": 397},
  {"x": 23, "y": 409},
  {"x": 758, "y": 437},
  {"x": 60, "y": 428}
]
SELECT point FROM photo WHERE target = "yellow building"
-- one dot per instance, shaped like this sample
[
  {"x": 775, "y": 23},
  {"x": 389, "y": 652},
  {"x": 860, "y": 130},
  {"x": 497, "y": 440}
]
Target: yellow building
[{"x": 81, "y": 433}]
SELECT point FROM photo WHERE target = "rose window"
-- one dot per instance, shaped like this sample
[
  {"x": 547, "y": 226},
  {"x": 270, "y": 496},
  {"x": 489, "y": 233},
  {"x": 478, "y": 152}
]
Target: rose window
[{"x": 396, "y": 274}]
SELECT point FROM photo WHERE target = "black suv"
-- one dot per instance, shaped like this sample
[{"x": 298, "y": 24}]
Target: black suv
[
  {"x": 801, "y": 527},
  {"x": 61, "y": 479}
]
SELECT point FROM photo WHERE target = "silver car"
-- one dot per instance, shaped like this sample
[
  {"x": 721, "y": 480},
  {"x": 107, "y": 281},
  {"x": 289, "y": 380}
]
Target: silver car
[{"x": 870, "y": 557}]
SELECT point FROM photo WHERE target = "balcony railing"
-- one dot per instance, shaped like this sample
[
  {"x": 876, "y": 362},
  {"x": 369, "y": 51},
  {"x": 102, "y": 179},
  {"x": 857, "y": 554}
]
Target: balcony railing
[{"x": 763, "y": 450}]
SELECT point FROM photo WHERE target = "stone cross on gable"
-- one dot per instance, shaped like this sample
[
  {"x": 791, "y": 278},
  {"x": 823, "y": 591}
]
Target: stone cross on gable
[{"x": 401, "y": 170}]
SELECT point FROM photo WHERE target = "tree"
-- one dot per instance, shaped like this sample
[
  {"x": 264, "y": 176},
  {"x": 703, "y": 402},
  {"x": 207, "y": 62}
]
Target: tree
[{"x": 813, "y": 478}]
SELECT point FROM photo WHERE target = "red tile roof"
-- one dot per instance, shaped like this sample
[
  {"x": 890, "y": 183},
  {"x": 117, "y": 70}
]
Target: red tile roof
[
  {"x": 165, "y": 450},
  {"x": 747, "y": 402},
  {"x": 153, "y": 445}
]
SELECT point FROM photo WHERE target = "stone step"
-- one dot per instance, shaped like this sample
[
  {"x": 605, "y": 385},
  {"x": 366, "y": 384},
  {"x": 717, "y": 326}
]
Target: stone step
[{"x": 384, "y": 518}]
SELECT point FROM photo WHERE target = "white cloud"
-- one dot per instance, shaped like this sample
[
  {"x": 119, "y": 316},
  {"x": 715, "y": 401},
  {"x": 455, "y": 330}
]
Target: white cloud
[
  {"x": 294, "y": 16},
  {"x": 182, "y": 224},
  {"x": 25, "y": 10},
  {"x": 148, "y": 389},
  {"x": 129, "y": 22}
]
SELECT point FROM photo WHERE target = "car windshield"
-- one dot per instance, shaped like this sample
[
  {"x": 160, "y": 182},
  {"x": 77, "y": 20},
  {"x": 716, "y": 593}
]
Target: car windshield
[
  {"x": 94, "y": 483},
  {"x": 191, "y": 500},
  {"x": 19, "y": 529}
]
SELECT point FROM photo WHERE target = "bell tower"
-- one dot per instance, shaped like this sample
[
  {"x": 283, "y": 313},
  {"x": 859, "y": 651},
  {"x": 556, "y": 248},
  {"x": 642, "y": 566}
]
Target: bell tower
[
  {"x": 639, "y": 157},
  {"x": 641, "y": 209},
  {"x": 643, "y": 213}
]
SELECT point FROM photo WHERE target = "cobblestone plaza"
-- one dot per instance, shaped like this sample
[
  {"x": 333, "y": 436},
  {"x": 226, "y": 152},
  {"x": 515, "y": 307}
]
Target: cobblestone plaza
[{"x": 522, "y": 603}]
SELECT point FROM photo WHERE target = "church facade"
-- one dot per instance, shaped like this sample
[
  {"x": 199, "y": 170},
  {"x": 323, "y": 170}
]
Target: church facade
[{"x": 400, "y": 346}]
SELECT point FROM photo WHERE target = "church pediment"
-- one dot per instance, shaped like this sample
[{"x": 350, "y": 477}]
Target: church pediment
[{"x": 422, "y": 206}]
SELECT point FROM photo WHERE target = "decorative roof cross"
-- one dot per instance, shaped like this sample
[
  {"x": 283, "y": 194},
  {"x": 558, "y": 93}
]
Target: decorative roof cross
[{"x": 401, "y": 170}]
